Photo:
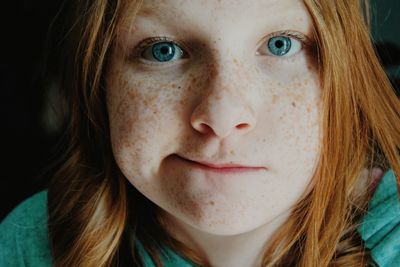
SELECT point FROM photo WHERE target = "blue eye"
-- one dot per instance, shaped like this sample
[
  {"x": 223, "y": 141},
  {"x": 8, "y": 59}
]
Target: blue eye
[
  {"x": 279, "y": 45},
  {"x": 162, "y": 52},
  {"x": 283, "y": 46}
]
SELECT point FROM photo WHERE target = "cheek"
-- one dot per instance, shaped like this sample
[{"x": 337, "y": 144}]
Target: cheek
[
  {"x": 299, "y": 126},
  {"x": 138, "y": 112},
  {"x": 147, "y": 115},
  {"x": 289, "y": 122},
  {"x": 295, "y": 93},
  {"x": 286, "y": 70}
]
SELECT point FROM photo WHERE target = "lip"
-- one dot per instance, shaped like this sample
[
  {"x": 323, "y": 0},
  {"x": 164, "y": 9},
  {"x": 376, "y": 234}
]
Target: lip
[{"x": 221, "y": 168}]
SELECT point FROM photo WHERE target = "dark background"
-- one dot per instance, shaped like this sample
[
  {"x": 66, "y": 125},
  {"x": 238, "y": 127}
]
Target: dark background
[{"x": 30, "y": 124}]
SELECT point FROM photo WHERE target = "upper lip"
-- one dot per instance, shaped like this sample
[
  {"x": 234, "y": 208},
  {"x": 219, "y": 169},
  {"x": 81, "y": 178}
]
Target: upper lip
[{"x": 220, "y": 165}]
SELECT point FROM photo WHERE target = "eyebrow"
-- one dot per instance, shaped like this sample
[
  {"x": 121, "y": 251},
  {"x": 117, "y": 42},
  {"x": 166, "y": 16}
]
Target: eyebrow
[{"x": 146, "y": 11}]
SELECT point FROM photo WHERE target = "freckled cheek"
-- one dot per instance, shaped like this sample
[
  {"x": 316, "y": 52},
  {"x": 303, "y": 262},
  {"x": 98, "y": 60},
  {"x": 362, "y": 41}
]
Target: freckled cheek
[
  {"x": 136, "y": 147},
  {"x": 286, "y": 70},
  {"x": 297, "y": 111},
  {"x": 127, "y": 119},
  {"x": 146, "y": 111},
  {"x": 141, "y": 106}
]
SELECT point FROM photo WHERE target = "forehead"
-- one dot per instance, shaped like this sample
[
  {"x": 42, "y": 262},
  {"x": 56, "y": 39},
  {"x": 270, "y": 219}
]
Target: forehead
[
  {"x": 215, "y": 13},
  {"x": 212, "y": 7}
]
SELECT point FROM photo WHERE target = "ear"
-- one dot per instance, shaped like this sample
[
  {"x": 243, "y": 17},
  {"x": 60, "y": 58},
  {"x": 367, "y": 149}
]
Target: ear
[{"x": 376, "y": 175}]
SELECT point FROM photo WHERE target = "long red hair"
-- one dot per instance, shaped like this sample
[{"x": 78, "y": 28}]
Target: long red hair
[{"x": 95, "y": 215}]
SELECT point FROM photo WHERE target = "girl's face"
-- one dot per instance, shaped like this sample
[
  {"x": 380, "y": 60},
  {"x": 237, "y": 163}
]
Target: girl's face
[{"x": 223, "y": 82}]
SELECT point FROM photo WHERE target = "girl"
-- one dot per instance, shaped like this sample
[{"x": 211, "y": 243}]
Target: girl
[{"x": 218, "y": 133}]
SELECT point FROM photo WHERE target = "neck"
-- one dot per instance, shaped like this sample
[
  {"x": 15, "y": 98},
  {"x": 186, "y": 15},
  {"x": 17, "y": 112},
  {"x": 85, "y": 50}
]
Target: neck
[{"x": 240, "y": 250}]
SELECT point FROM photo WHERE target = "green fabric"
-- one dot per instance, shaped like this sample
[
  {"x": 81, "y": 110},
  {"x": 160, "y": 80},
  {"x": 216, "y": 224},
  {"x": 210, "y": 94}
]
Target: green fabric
[
  {"x": 24, "y": 240},
  {"x": 380, "y": 227},
  {"x": 169, "y": 258},
  {"x": 24, "y": 234}
]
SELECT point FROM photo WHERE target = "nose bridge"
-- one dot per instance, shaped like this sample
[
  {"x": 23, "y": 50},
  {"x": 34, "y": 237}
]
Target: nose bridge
[
  {"x": 225, "y": 87},
  {"x": 225, "y": 76},
  {"x": 225, "y": 106}
]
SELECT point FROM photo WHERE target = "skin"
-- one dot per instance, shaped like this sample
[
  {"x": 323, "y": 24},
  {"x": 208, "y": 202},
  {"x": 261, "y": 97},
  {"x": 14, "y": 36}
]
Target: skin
[{"x": 223, "y": 102}]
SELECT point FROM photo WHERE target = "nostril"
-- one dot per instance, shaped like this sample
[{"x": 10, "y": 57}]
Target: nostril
[
  {"x": 242, "y": 125},
  {"x": 204, "y": 128}
]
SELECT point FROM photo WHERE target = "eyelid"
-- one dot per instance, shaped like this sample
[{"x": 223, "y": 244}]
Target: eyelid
[
  {"x": 304, "y": 39},
  {"x": 156, "y": 39},
  {"x": 152, "y": 40}
]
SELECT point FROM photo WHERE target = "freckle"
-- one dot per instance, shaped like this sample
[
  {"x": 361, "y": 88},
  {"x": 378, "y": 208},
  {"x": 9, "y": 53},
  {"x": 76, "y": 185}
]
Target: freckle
[
  {"x": 173, "y": 85},
  {"x": 211, "y": 203},
  {"x": 179, "y": 87},
  {"x": 298, "y": 98},
  {"x": 293, "y": 104},
  {"x": 132, "y": 94},
  {"x": 274, "y": 99},
  {"x": 232, "y": 152},
  {"x": 235, "y": 61},
  {"x": 308, "y": 109}
]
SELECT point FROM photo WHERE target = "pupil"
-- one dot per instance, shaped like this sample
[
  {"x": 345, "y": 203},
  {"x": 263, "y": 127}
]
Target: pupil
[
  {"x": 279, "y": 44},
  {"x": 164, "y": 50}
]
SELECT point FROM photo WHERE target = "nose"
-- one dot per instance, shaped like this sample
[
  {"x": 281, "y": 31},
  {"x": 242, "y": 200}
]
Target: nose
[{"x": 225, "y": 107}]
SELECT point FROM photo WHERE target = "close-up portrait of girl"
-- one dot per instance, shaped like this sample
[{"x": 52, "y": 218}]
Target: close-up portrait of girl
[{"x": 217, "y": 133}]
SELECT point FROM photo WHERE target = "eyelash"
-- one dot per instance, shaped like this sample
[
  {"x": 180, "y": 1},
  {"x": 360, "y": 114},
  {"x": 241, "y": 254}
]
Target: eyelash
[
  {"x": 303, "y": 39},
  {"x": 154, "y": 40},
  {"x": 293, "y": 34}
]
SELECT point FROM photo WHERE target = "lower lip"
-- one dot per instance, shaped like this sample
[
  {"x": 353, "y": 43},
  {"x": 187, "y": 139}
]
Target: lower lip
[{"x": 228, "y": 170}]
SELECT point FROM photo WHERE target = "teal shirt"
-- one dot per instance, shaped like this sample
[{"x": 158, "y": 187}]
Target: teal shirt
[
  {"x": 380, "y": 228},
  {"x": 24, "y": 236}
]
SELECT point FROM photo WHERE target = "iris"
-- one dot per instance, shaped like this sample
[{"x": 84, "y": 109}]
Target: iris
[
  {"x": 163, "y": 51},
  {"x": 279, "y": 45}
]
